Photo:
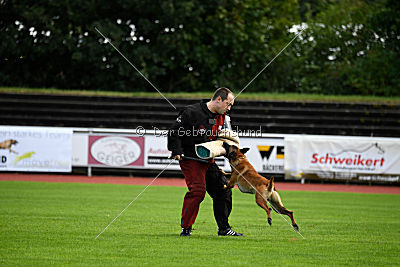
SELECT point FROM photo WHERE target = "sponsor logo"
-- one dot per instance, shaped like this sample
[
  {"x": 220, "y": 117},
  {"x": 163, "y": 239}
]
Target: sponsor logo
[
  {"x": 357, "y": 160},
  {"x": 159, "y": 151},
  {"x": 367, "y": 158},
  {"x": 115, "y": 151},
  {"x": 8, "y": 145},
  {"x": 266, "y": 152},
  {"x": 280, "y": 152},
  {"x": 28, "y": 160},
  {"x": 27, "y": 155}
]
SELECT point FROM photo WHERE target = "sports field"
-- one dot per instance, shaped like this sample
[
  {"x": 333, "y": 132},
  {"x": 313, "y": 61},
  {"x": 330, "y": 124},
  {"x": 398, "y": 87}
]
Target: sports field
[{"x": 56, "y": 224}]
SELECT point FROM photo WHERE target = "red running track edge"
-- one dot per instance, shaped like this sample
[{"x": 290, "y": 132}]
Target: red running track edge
[{"x": 59, "y": 178}]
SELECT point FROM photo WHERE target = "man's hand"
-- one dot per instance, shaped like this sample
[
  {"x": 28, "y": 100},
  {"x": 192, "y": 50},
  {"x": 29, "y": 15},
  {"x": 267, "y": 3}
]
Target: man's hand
[{"x": 178, "y": 157}]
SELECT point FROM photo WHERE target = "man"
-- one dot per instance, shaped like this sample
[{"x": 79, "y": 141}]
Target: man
[{"x": 197, "y": 124}]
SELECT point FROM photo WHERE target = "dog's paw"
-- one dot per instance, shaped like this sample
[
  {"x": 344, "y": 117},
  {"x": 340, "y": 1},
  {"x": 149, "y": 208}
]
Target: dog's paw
[
  {"x": 270, "y": 221},
  {"x": 295, "y": 227},
  {"x": 225, "y": 173}
]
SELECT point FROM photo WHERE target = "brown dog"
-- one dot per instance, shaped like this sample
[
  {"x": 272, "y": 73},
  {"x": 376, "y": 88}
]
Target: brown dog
[
  {"x": 7, "y": 145},
  {"x": 249, "y": 181}
]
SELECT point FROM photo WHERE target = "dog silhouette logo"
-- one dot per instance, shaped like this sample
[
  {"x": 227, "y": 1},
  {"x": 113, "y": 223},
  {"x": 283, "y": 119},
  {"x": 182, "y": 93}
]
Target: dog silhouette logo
[
  {"x": 7, "y": 144},
  {"x": 27, "y": 155}
]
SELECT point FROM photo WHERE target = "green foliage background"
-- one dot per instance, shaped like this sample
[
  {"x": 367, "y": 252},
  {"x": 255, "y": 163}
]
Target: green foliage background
[{"x": 348, "y": 47}]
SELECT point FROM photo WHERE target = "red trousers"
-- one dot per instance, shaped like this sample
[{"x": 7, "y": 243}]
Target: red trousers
[{"x": 195, "y": 178}]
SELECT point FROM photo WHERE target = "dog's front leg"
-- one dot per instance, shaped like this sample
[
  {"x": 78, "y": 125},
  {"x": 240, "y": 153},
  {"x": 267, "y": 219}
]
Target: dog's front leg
[
  {"x": 231, "y": 182},
  {"x": 225, "y": 173}
]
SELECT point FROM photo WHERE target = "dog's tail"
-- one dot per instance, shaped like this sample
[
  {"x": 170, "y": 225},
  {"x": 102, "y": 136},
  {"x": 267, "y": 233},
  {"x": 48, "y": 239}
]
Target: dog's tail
[{"x": 271, "y": 186}]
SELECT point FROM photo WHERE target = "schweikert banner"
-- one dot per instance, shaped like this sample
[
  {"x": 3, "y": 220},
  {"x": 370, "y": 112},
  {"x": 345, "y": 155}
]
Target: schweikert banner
[
  {"x": 342, "y": 158},
  {"x": 42, "y": 149}
]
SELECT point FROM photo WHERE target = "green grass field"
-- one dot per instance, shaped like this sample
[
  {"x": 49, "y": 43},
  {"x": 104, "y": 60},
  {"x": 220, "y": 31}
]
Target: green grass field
[
  {"x": 56, "y": 224},
  {"x": 245, "y": 95}
]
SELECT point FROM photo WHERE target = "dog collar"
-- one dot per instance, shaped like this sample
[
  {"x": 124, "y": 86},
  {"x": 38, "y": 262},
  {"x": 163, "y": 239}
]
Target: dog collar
[{"x": 234, "y": 164}]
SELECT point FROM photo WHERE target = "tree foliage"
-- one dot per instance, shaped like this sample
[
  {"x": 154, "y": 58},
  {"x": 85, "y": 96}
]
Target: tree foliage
[
  {"x": 352, "y": 47},
  {"x": 199, "y": 45}
]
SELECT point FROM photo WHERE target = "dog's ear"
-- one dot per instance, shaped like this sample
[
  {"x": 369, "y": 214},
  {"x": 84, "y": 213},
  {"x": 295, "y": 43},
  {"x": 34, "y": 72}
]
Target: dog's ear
[{"x": 244, "y": 150}]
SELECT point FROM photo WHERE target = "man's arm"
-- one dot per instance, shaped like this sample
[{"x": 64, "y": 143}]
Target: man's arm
[{"x": 174, "y": 138}]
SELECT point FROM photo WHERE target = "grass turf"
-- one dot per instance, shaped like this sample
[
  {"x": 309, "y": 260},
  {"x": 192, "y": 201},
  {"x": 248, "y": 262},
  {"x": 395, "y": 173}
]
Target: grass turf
[
  {"x": 245, "y": 95},
  {"x": 56, "y": 224}
]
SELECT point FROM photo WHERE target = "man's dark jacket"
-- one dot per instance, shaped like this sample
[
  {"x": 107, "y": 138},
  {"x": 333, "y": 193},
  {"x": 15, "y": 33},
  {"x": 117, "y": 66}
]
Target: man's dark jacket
[{"x": 195, "y": 124}]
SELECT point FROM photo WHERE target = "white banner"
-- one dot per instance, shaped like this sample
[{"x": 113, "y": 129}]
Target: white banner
[
  {"x": 342, "y": 158},
  {"x": 267, "y": 155},
  {"x": 157, "y": 155},
  {"x": 44, "y": 149}
]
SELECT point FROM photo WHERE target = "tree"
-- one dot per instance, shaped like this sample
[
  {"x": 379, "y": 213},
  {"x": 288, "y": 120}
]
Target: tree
[
  {"x": 179, "y": 45},
  {"x": 351, "y": 48}
]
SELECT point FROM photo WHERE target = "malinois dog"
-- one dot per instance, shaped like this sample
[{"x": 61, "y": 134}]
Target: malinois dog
[{"x": 249, "y": 181}]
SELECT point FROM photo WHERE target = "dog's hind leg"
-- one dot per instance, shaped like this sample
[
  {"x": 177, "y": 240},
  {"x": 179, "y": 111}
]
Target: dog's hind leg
[
  {"x": 263, "y": 204},
  {"x": 276, "y": 204}
]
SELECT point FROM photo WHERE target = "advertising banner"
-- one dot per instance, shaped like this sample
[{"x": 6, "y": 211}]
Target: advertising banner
[
  {"x": 43, "y": 149},
  {"x": 150, "y": 152},
  {"x": 116, "y": 151},
  {"x": 157, "y": 155},
  {"x": 343, "y": 158},
  {"x": 267, "y": 155}
]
